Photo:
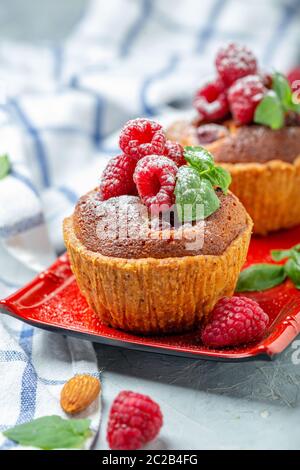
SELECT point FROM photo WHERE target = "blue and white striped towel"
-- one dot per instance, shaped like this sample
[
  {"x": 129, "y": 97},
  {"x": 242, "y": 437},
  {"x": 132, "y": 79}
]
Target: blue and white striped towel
[{"x": 59, "y": 109}]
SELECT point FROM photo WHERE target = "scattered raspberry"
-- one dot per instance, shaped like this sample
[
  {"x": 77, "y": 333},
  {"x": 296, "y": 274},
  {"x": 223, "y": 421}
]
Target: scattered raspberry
[
  {"x": 208, "y": 133},
  {"x": 141, "y": 137},
  {"x": 117, "y": 178},
  {"x": 234, "y": 62},
  {"x": 234, "y": 320},
  {"x": 244, "y": 96},
  {"x": 155, "y": 178},
  {"x": 175, "y": 151},
  {"x": 211, "y": 101},
  {"x": 134, "y": 420}
]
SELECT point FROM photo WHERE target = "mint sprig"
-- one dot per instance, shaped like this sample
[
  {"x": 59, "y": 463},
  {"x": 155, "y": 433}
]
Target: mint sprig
[
  {"x": 259, "y": 277},
  {"x": 276, "y": 103},
  {"x": 196, "y": 184},
  {"x": 4, "y": 166},
  {"x": 51, "y": 432}
]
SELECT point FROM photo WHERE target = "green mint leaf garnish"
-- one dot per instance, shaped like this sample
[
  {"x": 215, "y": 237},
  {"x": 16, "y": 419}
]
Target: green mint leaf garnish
[
  {"x": 199, "y": 158},
  {"x": 260, "y": 277},
  {"x": 283, "y": 90},
  {"x": 279, "y": 255},
  {"x": 276, "y": 103},
  {"x": 4, "y": 166},
  {"x": 264, "y": 276},
  {"x": 269, "y": 112},
  {"x": 51, "y": 432},
  {"x": 194, "y": 193},
  {"x": 196, "y": 183},
  {"x": 219, "y": 178},
  {"x": 292, "y": 269}
]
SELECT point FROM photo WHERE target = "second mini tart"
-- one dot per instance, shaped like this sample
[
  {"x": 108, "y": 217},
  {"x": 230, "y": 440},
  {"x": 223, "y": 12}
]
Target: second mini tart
[{"x": 250, "y": 121}]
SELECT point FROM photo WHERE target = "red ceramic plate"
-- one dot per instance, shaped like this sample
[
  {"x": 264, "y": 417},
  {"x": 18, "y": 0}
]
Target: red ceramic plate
[{"x": 52, "y": 301}]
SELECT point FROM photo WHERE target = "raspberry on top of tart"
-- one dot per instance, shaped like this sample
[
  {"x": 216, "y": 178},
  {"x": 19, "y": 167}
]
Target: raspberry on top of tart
[
  {"x": 250, "y": 121},
  {"x": 161, "y": 239}
]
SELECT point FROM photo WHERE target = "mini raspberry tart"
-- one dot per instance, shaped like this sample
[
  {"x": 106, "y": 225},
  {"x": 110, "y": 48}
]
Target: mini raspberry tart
[
  {"x": 155, "y": 259},
  {"x": 255, "y": 136}
]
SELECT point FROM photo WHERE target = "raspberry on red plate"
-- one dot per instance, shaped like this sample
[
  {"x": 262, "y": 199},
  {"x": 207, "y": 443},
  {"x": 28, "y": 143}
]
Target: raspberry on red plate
[
  {"x": 117, "y": 178},
  {"x": 235, "y": 321},
  {"x": 175, "y": 152},
  {"x": 155, "y": 178},
  {"x": 235, "y": 61},
  {"x": 211, "y": 101},
  {"x": 134, "y": 420},
  {"x": 141, "y": 137},
  {"x": 244, "y": 96}
]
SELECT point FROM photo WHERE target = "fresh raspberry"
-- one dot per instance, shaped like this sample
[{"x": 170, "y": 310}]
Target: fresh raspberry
[
  {"x": 211, "y": 101},
  {"x": 244, "y": 96},
  {"x": 175, "y": 152},
  {"x": 141, "y": 137},
  {"x": 234, "y": 320},
  {"x": 134, "y": 420},
  {"x": 234, "y": 62},
  {"x": 117, "y": 178},
  {"x": 155, "y": 178}
]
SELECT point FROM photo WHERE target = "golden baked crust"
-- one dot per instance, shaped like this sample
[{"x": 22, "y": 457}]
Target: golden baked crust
[
  {"x": 149, "y": 295},
  {"x": 269, "y": 191}
]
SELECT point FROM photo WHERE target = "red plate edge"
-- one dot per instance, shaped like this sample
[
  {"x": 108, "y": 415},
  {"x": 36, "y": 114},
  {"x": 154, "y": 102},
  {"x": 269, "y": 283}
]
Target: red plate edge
[{"x": 55, "y": 291}]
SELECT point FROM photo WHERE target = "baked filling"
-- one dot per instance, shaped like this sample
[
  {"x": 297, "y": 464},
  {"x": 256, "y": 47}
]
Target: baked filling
[{"x": 120, "y": 227}]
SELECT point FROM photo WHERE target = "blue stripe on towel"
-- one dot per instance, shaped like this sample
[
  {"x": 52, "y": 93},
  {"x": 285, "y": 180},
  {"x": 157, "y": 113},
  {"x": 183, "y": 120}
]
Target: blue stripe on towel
[
  {"x": 99, "y": 110},
  {"x": 69, "y": 193},
  {"x": 208, "y": 31},
  {"x": 147, "y": 108},
  {"x": 39, "y": 147},
  {"x": 136, "y": 27},
  {"x": 25, "y": 180},
  {"x": 28, "y": 386},
  {"x": 21, "y": 226}
]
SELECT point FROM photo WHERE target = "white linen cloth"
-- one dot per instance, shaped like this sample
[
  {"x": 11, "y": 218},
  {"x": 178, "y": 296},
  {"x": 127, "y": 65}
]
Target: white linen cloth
[{"x": 59, "y": 108}]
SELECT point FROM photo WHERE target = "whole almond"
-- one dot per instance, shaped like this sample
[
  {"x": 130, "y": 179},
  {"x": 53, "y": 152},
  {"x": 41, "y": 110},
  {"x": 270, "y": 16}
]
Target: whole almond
[{"x": 78, "y": 393}]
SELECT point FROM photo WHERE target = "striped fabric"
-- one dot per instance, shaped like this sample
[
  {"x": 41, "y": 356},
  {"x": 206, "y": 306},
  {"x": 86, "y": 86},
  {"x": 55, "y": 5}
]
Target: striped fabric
[{"x": 60, "y": 106}]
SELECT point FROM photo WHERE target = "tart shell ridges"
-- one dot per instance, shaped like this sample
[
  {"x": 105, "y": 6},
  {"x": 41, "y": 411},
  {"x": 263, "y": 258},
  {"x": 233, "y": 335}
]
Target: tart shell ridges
[
  {"x": 155, "y": 296},
  {"x": 270, "y": 193}
]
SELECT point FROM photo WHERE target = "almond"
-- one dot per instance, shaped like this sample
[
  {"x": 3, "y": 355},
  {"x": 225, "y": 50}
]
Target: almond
[{"x": 78, "y": 393}]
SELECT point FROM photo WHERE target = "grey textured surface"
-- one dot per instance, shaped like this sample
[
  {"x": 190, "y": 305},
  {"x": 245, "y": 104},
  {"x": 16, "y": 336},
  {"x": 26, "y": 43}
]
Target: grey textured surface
[{"x": 206, "y": 405}]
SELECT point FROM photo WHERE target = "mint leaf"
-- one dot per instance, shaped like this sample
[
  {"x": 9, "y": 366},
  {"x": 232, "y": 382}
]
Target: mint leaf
[
  {"x": 202, "y": 160},
  {"x": 260, "y": 277},
  {"x": 51, "y": 432},
  {"x": 194, "y": 195},
  {"x": 279, "y": 255},
  {"x": 269, "y": 112},
  {"x": 219, "y": 178},
  {"x": 283, "y": 90},
  {"x": 292, "y": 269},
  {"x": 4, "y": 166},
  {"x": 199, "y": 158}
]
